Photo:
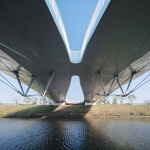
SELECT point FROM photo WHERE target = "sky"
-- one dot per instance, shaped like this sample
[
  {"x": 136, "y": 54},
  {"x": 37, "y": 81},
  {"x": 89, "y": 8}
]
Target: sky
[
  {"x": 143, "y": 93},
  {"x": 76, "y": 15},
  {"x": 7, "y": 95},
  {"x": 75, "y": 93}
]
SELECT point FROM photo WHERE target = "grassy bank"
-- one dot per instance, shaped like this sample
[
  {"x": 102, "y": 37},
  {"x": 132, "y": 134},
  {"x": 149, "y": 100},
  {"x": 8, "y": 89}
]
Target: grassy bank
[
  {"x": 25, "y": 110},
  {"x": 74, "y": 111}
]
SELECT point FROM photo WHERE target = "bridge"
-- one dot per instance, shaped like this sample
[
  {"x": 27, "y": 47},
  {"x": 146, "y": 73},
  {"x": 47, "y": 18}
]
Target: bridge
[{"x": 34, "y": 48}]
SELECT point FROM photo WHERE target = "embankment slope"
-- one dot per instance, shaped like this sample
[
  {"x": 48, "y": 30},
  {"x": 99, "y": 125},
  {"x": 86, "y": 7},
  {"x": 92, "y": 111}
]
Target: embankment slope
[{"x": 34, "y": 111}]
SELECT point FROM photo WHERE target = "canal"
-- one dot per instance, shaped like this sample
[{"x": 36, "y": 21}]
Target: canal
[{"x": 106, "y": 133}]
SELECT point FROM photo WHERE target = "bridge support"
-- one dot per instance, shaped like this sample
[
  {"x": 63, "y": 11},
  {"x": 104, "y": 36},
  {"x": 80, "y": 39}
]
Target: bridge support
[
  {"x": 118, "y": 81},
  {"x": 102, "y": 85},
  {"x": 132, "y": 75},
  {"x": 33, "y": 78},
  {"x": 112, "y": 85},
  {"x": 116, "y": 78},
  {"x": 89, "y": 96},
  {"x": 48, "y": 84},
  {"x": 29, "y": 86},
  {"x": 38, "y": 86},
  {"x": 59, "y": 96},
  {"x": 18, "y": 79}
]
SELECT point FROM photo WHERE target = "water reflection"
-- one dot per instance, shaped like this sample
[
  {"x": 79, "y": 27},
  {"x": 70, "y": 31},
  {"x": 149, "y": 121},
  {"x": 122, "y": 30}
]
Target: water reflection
[
  {"x": 123, "y": 132},
  {"x": 75, "y": 134}
]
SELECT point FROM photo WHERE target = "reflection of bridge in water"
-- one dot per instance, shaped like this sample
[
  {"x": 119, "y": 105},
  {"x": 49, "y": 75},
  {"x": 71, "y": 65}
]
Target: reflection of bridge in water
[{"x": 33, "y": 51}]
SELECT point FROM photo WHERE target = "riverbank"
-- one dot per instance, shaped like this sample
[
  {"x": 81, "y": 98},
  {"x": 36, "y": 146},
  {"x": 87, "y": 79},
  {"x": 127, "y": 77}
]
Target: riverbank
[{"x": 39, "y": 111}]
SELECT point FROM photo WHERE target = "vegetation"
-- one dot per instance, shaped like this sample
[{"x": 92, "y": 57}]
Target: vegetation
[
  {"x": 27, "y": 100},
  {"x": 131, "y": 98},
  {"x": 118, "y": 98},
  {"x": 25, "y": 110},
  {"x": 16, "y": 100},
  {"x": 114, "y": 100},
  {"x": 74, "y": 110},
  {"x": 146, "y": 102}
]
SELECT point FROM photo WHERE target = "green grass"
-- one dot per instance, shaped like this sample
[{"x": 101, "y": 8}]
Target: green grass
[
  {"x": 34, "y": 111},
  {"x": 74, "y": 110},
  {"x": 25, "y": 110}
]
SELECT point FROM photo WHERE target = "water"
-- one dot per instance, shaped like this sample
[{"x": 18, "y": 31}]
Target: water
[{"x": 75, "y": 134}]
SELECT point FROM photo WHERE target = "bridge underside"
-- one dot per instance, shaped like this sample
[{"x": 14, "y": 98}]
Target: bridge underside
[{"x": 31, "y": 44}]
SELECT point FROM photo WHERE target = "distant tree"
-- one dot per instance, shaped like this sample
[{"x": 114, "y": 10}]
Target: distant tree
[
  {"x": 114, "y": 100},
  {"x": 27, "y": 100},
  {"x": 108, "y": 102},
  {"x": 34, "y": 100},
  {"x": 16, "y": 100},
  {"x": 131, "y": 98},
  {"x": 146, "y": 102},
  {"x": 119, "y": 98}
]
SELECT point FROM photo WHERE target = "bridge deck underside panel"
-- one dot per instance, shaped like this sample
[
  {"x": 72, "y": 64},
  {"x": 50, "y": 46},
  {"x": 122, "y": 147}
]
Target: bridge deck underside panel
[{"x": 120, "y": 37}]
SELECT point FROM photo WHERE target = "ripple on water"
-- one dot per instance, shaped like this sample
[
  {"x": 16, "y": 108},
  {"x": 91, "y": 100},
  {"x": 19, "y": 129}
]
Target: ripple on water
[{"x": 75, "y": 134}]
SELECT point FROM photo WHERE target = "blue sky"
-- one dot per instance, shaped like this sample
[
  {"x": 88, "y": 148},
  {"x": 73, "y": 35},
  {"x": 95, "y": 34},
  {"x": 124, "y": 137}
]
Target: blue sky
[
  {"x": 75, "y": 93},
  {"x": 142, "y": 93},
  {"x": 76, "y": 15},
  {"x": 7, "y": 94}
]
